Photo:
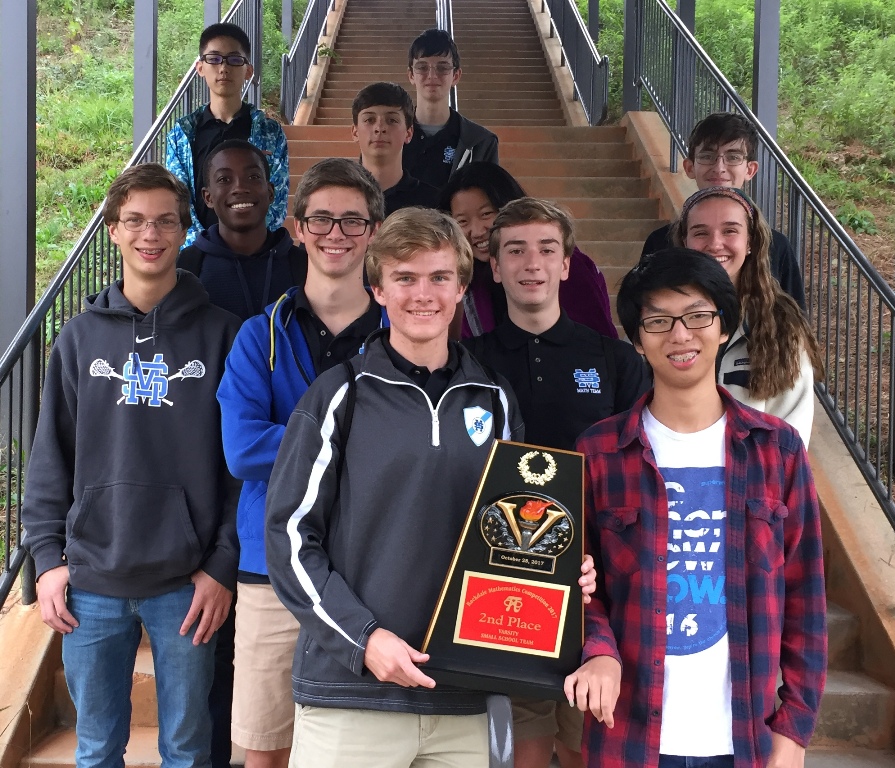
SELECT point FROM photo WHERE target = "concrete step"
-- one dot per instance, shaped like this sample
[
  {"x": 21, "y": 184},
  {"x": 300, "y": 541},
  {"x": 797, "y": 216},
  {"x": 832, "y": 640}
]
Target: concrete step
[
  {"x": 855, "y": 711},
  {"x": 567, "y": 168},
  {"x": 545, "y": 123},
  {"x": 552, "y": 187},
  {"x": 58, "y": 750},
  {"x": 622, "y": 255},
  {"x": 143, "y": 695},
  {"x": 610, "y": 207},
  {"x": 508, "y": 106},
  {"x": 557, "y": 151},
  {"x": 819, "y": 757},
  {"x": 843, "y": 634},
  {"x": 567, "y": 135}
]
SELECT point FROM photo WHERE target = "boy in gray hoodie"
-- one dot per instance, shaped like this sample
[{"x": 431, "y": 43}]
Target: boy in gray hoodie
[{"x": 130, "y": 511}]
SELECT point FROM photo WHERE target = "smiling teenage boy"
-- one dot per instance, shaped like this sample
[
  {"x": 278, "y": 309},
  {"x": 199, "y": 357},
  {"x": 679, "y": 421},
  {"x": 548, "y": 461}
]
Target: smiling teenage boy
[
  {"x": 443, "y": 140},
  {"x": 242, "y": 264},
  {"x": 721, "y": 152},
  {"x": 703, "y": 520},
  {"x": 313, "y": 327},
  {"x": 364, "y": 512},
  {"x": 224, "y": 63},
  {"x": 382, "y": 114},
  {"x": 566, "y": 377},
  {"x": 133, "y": 525}
]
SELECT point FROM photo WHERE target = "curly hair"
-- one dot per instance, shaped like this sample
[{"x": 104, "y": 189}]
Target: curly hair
[{"x": 775, "y": 328}]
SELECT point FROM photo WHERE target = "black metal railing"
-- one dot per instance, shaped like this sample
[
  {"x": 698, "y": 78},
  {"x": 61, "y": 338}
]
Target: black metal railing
[
  {"x": 303, "y": 54},
  {"x": 91, "y": 265},
  {"x": 589, "y": 70},
  {"x": 850, "y": 305},
  {"x": 444, "y": 20}
]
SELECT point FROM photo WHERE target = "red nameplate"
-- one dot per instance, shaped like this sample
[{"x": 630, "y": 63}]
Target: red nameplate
[{"x": 511, "y": 614}]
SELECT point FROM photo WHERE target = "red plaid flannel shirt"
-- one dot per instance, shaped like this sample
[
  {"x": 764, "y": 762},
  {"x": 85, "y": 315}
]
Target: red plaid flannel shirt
[{"x": 776, "y": 606}]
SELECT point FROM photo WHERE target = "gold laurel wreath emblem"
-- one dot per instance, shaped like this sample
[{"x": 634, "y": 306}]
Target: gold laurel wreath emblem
[{"x": 534, "y": 478}]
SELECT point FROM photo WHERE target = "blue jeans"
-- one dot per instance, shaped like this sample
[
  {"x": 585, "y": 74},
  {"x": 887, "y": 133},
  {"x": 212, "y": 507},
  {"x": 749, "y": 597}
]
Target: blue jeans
[
  {"x": 99, "y": 656},
  {"x": 677, "y": 761}
]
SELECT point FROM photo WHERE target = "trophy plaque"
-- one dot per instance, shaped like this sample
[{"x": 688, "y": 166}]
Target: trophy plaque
[{"x": 510, "y": 615}]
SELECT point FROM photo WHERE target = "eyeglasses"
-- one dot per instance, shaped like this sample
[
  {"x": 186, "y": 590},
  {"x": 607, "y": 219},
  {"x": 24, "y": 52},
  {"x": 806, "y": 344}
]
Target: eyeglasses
[
  {"x": 233, "y": 59},
  {"x": 162, "y": 225},
  {"x": 729, "y": 158},
  {"x": 351, "y": 226},
  {"x": 691, "y": 321},
  {"x": 442, "y": 70}
]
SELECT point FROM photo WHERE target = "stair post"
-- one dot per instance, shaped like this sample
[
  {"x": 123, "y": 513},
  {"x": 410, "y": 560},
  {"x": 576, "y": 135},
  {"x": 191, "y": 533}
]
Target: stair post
[{"x": 18, "y": 86}]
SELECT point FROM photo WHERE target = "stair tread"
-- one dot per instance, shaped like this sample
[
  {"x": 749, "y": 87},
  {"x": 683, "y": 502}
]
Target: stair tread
[
  {"x": 58, "y": 749},
  {"x": 825, "y": 757},
  {"x": 844, "y": 682}
]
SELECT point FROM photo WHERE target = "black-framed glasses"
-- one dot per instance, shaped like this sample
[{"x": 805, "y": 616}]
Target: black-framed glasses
[
  {"x": 730, "y": 158},
  {"x": 692, "y": 321},
  {"x": 162, "y": 225},
  {"x": 442, "y": 70},
  {"x": 351, "y": 226},
  {"x": 232, "y": 59}
]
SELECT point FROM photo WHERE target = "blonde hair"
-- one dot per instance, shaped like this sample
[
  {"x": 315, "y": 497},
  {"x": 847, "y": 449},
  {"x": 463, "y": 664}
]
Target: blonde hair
[{"x": 410, "y": 230}]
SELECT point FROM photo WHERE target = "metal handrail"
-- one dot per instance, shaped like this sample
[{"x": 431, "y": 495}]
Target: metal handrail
[
  {"x": 851, "y": 307},
  {"x": 590, "y": 71},
  {"x": 296, "y": 65},
  {"x": 444, "y": 20},
  {"x": 91, "y": 265}
]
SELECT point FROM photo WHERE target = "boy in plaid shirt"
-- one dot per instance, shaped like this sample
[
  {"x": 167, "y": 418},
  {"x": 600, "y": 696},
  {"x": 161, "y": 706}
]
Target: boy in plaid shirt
[{"x": 703, "y": 521}]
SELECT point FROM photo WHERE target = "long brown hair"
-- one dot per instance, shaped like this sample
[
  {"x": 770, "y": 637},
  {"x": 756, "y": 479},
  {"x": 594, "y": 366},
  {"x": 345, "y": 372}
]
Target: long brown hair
[{"x": 776, "y": 328}]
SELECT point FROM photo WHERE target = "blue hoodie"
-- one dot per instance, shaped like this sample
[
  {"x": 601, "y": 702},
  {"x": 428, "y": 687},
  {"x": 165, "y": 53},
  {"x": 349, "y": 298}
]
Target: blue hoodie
[{"x": 267, "y": 371}]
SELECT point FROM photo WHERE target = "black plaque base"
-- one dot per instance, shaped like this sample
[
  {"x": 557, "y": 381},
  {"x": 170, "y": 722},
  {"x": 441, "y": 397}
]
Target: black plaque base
[{"x": 510, "y": 616}]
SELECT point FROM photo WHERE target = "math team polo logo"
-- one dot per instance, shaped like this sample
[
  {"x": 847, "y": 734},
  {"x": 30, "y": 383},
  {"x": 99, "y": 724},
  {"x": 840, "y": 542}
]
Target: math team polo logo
[
  {"x": 696, "y": 618},
  {"x": 146, "y": 382},
  {"x": 478, "y": 424},
  {"x": 587, "y": 382}
]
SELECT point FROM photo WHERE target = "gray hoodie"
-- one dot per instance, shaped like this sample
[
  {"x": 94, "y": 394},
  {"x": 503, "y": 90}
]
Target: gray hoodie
[{"x": 127, "y": 483}]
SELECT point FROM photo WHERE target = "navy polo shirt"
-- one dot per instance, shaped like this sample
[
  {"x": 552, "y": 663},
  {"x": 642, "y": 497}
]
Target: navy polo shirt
[{"x": 565, "y": 379}]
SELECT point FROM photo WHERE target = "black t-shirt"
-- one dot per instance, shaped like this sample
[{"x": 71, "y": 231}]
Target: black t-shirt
[
  {"x": 433, "y": 383},
  {"x": 410, "y": 191},
  {"x": 565, "y": 379},
  {"x": 328, "y": 350},
  {"x": 430, "y": 159},
  {"x": 209, "y": 133},
  {"x": 784, "y": 265}
]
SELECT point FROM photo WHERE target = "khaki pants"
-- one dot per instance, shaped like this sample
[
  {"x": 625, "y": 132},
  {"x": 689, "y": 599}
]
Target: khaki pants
[
  {"x": 360, "y": 738},
  {"x": 266, "y": 633},
  {"x": 536, "y": 719}
]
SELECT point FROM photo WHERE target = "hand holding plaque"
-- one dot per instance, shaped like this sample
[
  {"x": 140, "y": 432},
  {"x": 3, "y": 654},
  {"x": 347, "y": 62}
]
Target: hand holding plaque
[{"x": 510, "y": 616}]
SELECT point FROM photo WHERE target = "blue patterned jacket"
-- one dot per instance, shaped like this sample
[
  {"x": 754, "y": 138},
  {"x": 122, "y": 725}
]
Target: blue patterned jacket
[{"x": 267, "y": 135}]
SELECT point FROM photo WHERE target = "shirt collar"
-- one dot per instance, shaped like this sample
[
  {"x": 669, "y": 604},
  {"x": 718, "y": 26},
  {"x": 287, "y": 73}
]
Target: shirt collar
[
  {"x": 741, "y": 420},
  {"x": 512, "y": 336},
  {"x": 207, "y": 117},
  {"x": 407, "y": 368}
]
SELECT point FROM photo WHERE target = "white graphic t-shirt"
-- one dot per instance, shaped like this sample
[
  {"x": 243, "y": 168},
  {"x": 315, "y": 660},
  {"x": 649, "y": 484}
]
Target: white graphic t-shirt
[{"x": 696, "y": 713}]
